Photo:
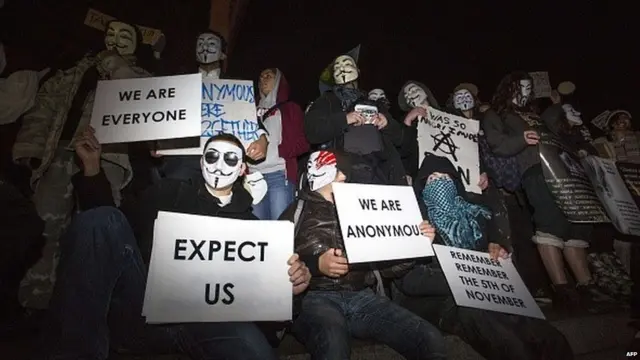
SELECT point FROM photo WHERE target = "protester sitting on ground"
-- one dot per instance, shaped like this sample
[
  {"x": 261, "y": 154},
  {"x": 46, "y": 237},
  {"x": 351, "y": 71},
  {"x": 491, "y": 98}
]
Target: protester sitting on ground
[
  {"x": 98, "y": 298},
  {"x": 340, "y": 303},
  {"x": 461, "y": 224}
]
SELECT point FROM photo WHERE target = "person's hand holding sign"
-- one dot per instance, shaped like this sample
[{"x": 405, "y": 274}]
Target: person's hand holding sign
[
  {"x": 496, "y": 251},
  {"x": 299, "y": 274},
  {"x": 89, "y": 150},
  {"x": 333, "y": 264},
  {"x": 483, "y": 184},
  {"x": 414, "y": 114},
  {"x": 427, "y": 230},
  {"x": 257, "y": 150},
  {"x": 531, "y": 137}
]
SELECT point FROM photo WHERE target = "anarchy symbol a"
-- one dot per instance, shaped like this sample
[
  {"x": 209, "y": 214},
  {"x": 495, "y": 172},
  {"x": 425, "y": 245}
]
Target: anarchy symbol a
[{"x": 444, "y": 140}]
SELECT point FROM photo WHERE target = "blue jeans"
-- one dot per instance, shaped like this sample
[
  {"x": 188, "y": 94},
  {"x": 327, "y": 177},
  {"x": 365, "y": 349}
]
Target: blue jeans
[
  {"x": 329, "y": 319},
  {"x": 98, "y": 296},
  {"x": 280, "y": 194},
  {"x": 180, "y": 167}
]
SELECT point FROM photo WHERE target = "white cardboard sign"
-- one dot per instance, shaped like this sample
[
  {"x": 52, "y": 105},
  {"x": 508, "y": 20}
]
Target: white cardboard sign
[
  {"x": 380, "y": 222},
  {"x": 227, "y": 106},
  {"x": 143, "y": 109},
  {"x": 455, "y": 138},
  {"x": 208, "y": 269},
  {"x": 479, "y": 282},
  {"x": 613, "y": 194},
  {"x": 541, "y": 84}
]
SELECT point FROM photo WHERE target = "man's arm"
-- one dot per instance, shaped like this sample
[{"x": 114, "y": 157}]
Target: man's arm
[
  {"x": 322, "y": 123},
  {"x": 501, "y": 143},
  {"x": 92, "y": 191},
  {"x": 394, "y": 131}
]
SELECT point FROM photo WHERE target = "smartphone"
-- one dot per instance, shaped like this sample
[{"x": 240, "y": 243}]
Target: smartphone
[{"x": 368, "y": 111}]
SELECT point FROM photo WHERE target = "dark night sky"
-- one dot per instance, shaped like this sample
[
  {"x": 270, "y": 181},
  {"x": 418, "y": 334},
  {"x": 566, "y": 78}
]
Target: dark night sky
[
  {"x": 447, "y": 42},
  {"x": 440, "y": 43}
]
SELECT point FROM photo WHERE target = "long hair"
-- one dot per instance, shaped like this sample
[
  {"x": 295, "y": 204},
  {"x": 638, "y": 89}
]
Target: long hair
[{"x": 502, "y": 100}]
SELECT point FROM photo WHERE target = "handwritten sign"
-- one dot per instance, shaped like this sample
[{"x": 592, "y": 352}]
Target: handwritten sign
[
  {"x": 208, "y": 269},
  {"x": 147, "y": 109},
  {"x": 98, "y": 20},
  {"x": 479, "y": 282},
  {"x": 228, "y": 106},
  {"x": 600, "y": 121},
  {"x": 613, "y": 194},
  {"x": 455, "y": 138},
  {"x": 380, "y": 222},
  {"x": 541, "y": 84}
]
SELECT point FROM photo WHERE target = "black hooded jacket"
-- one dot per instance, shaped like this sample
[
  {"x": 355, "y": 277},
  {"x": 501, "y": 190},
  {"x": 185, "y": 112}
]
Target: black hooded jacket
[
  {"x": 325, "y": 125},
  {"x": 433, "y": 163},
  {"x": 186, "y": 197},
  {"x": 410, "y": 151}
]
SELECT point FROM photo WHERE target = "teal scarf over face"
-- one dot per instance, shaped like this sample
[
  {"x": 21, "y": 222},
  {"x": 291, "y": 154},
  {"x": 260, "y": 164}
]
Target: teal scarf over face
[{"x": 454, "y": 218}]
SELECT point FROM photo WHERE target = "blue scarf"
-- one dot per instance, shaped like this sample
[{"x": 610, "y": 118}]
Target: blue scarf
[{"x": 454, "y": 218}]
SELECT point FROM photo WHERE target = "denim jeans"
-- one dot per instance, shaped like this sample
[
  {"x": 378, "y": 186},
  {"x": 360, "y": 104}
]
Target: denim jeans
[
  {"x": 279, "y": 195},
  {"x": 495, "y": 336},
  {"x": 98, "y": 297},
  {"x": 180, "y": 167},
  {"x": 329, "y": 319}
]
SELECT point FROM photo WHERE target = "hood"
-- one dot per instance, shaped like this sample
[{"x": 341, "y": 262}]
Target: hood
[
  {"x": 402, "y": 103},
  {"x": 433, "y": 163},
  {"x": 279, "y": 94}
]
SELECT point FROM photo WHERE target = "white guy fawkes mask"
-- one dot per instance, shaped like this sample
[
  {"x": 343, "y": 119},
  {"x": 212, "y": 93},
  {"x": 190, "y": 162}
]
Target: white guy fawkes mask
[
  {"x": 463, "y": 100},
  {"x": 521, "y": 98},
  {"x": 321, "y": 169},
  {"x": 208, "y": 49},
  {"x": 345, "y": 70},
  {"x": 221, "y": 164},
  {"x": 256, "y": 185},
  {"x": 377, "y": 94},
  {"x": 573, "y": 116},
  {"x": 121, "y": 37},
  {"x": 414, "y": 95}
]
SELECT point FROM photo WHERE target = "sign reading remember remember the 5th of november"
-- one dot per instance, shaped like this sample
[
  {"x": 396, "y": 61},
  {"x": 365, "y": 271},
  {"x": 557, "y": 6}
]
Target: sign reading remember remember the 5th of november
[
  {"x": 228, "y": 106},
  {"x": 380, "y": 222},
  {"x": 210, "y": 269},
  {"x": 477, "y": 281},
  {"x": 143, "y": 109}
]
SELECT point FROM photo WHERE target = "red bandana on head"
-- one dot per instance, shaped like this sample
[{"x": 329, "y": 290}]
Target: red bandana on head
[{"x": 321, "y": 169}]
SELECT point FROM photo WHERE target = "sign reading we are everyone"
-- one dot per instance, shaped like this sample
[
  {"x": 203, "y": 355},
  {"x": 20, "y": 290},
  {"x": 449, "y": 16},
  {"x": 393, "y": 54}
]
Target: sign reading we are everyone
[
  {"x": 228, "y": 106},
  {"x": 209, "y": 269},
  {"x": 380, "y": 222},
  {"x": 455, "y": 138},
  {"x": 477, "y": 281},
  {"x": 145, "y": 109}
]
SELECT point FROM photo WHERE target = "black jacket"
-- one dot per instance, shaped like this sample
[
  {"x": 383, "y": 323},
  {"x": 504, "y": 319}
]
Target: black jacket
[
  {"x": 186, "y": 197},
  {"x": 318, "y": 231},
  {"x": 433, "y": 163},
  {"x": 505, "y": 134},
  {"x": 326, "y": 123}
]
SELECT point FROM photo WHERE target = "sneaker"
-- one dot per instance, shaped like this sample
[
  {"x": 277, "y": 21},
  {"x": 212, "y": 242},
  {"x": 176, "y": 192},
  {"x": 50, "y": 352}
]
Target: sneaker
[
  {"x": 591, "y": 292},
  {"x": 542, "y": 298}
]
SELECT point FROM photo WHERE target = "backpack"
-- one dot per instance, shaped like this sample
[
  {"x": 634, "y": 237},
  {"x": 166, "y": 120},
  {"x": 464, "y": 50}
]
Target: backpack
[{"x": 505, "y": 170}]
